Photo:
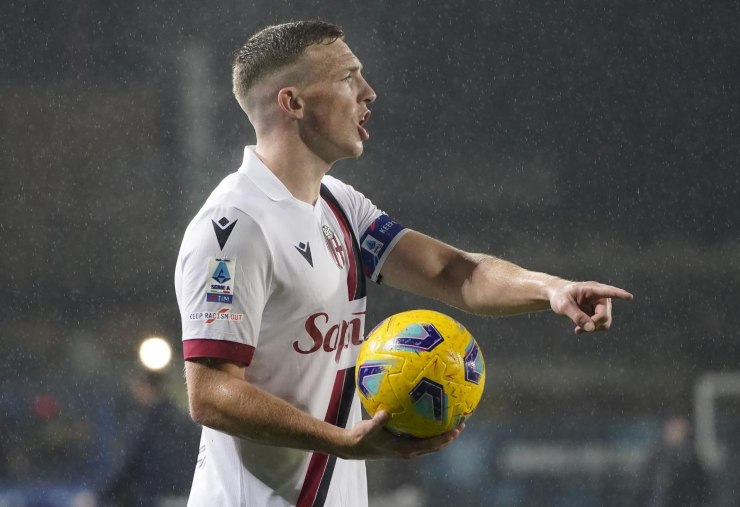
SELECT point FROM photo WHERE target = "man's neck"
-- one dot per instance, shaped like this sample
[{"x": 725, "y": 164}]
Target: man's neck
[{"x": 299, "y": 169}]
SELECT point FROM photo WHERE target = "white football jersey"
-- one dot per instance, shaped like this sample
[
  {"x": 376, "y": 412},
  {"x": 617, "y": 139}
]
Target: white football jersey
[{"x": 278, "y": 285}]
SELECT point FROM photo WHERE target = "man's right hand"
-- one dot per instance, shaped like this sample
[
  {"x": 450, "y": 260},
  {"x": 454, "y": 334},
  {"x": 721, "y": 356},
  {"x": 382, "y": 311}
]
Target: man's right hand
[{"x": 369, "y": 439}]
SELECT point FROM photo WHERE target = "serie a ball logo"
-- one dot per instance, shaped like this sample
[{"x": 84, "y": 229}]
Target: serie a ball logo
[{"x": 424, "y": 368}]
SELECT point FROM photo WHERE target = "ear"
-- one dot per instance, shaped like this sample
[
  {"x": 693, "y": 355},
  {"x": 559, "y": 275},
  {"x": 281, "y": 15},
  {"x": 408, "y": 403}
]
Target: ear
[{"x": 289, "y": 101}]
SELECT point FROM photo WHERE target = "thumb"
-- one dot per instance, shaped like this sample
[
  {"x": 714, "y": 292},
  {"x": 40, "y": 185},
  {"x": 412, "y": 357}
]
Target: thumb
[
  {"x": 380, "y": 418},
  {"x": 378, "y": 421},
  {"x": 373, "y": 425},
  {"x": 581, "y": 320}
]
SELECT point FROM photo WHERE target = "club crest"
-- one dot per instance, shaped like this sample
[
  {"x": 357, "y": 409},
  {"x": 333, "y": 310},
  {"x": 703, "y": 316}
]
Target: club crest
[{"x": 336, "y": 249}]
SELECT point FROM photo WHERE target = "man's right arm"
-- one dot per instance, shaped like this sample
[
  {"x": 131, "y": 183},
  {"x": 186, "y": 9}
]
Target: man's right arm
[{"x": 221, "y": 398}]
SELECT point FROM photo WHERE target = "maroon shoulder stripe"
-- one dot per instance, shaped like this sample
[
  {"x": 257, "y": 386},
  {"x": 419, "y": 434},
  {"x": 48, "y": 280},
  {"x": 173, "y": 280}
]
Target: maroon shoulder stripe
[{"x": 355, "y": 277}]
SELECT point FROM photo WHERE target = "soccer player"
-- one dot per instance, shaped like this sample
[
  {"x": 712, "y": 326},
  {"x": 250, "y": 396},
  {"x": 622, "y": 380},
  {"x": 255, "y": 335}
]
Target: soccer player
[{"x": 270, "y": 281}]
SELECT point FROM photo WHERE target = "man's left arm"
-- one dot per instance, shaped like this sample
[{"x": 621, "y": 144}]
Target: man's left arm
[{"x": 487, "y": 285}]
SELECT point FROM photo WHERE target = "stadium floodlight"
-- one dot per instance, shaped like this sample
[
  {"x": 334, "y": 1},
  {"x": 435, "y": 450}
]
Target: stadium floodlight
[{"x": 155, "y": 353}]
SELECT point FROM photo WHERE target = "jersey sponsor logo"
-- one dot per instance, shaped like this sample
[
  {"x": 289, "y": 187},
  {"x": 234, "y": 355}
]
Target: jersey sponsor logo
[
  {"x": 221, "y": 314},
  {"x": 219, "y": 288},
  {"x": 336, "y": 249},
  {"x": 305, "y": 250},
  {"x": 326, "y": 336},
  {"x": 223, "y": 229}
]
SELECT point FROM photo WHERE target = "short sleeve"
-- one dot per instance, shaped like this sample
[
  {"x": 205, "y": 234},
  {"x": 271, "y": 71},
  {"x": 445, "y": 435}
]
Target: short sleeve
[
  {"x": 377, "y": 233},
  {"x": 222, "y": 282}
]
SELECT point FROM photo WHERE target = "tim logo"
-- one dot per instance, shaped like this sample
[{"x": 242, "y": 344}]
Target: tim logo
[{"x": 330, "y": 336}]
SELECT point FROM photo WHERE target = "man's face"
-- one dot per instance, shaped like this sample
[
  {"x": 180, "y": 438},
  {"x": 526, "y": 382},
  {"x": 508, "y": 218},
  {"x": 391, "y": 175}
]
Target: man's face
[{"x": 336, "y": 99}]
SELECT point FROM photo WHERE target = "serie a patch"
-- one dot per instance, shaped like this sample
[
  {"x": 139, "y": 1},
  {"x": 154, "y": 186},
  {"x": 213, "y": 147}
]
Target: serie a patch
[{"x": 220, "y": 284}]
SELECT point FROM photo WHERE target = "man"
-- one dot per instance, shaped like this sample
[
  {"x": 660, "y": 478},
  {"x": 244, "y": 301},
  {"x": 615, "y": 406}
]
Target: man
[
  {"x": 672, "y": 475},
  {"x": 156, "y": 435},
  {"x": 270, "y": 283}
]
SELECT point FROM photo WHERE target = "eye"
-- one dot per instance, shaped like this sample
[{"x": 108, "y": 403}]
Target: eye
[{"x": 347, "y": 78}]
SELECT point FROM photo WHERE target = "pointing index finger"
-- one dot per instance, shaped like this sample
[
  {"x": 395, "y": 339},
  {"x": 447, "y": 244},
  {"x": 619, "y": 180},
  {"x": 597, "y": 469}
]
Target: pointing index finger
[{"x": 609, "y": 291}]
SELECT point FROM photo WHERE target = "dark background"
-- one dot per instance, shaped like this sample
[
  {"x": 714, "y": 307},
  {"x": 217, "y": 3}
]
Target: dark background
[{"x": 593, "y": 140}]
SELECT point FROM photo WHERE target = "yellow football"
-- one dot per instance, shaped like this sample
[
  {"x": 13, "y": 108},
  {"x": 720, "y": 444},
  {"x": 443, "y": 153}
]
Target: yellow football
[{"x": 422, "y": 367}]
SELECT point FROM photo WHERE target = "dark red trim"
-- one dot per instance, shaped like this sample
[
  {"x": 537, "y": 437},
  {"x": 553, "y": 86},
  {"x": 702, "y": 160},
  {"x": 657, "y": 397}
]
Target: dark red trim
[
  {"x": 332, "y": 412},
  {"x": 198, "y": 348},
  {"x": 321, "y": 466},
  {"x": 311, "y": 483}
]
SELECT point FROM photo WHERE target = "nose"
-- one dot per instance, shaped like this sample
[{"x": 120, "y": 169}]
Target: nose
[{"x": 368, "y": 94}]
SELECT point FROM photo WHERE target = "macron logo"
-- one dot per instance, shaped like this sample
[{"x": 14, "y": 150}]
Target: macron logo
[
  {"x": 305, "y": 250},
  {"x": 223, "y": 230}
]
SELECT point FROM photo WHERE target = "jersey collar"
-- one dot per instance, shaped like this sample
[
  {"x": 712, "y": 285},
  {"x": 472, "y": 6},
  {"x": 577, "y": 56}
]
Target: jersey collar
[{"x": 263, "y": 177}]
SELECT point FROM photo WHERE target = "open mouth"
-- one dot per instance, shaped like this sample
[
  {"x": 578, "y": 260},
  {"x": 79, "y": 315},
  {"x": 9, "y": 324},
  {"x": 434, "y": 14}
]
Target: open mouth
[{"x": 364, "y": 134}]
